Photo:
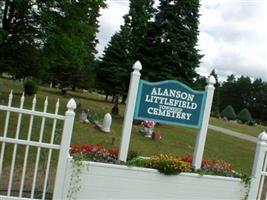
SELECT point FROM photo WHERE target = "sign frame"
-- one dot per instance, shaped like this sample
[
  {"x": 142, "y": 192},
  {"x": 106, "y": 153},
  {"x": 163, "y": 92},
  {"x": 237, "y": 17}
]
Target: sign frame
[{"x": 183, "y": 86}]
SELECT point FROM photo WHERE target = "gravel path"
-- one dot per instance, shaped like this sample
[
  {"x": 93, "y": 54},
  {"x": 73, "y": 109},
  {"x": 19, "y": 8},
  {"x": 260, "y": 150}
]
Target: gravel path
[{"x": 234, "y": 133}]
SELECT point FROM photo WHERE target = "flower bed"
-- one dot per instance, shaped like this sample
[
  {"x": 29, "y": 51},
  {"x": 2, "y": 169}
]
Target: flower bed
[{"x": 102, "y": 180}]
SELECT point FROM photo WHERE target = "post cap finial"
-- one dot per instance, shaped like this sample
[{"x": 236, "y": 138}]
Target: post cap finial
[
  {"x": 71, "y": 104},
  {"x": 137, "y": 65},
  {"x": 263, "y": 136},
  {"x": 211, "y": 80}
]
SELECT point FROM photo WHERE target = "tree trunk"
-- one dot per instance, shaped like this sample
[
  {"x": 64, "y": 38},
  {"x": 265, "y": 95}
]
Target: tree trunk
[
  {"x": 113, "y": 98},
  {"x": 124, "y": 98},
  {"x": 8, "y": 15},
  {"x": 73, "y": 88},
  {"x": 106, "y": 99},
  {"x": 63, "y": 91}
]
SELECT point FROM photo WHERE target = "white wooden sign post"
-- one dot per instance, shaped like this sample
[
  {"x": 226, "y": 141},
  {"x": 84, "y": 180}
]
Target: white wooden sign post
[
  {"x": 129, "y": 112},
  {"x": 202, "y": 133},
  {"x": 169, "y": 102}
]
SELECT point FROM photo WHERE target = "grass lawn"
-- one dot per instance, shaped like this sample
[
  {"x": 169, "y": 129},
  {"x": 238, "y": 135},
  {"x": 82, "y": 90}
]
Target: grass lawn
[
  {"x": 175, "y": 140},
  {"x": 242, "y": 128}
]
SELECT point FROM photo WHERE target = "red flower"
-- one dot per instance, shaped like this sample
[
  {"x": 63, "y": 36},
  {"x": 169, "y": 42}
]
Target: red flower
[{"x": 93, "y": 148}]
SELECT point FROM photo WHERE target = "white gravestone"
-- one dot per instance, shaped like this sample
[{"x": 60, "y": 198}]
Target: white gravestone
[{"x": 106, "y": 123}]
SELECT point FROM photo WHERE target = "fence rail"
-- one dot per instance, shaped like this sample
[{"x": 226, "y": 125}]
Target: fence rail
[
  {"x": 28, "y": 143},
  {"x": 259, "y": 169}
]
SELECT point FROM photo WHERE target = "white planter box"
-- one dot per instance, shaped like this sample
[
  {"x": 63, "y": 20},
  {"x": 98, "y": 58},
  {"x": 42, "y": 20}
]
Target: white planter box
[{"x": 108, "y": 181}]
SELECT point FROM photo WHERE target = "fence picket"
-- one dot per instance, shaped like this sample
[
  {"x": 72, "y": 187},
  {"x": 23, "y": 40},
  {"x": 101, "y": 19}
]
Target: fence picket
[
  {"x": 64, "y": 150},
  {"x": 15, "y": 147},
  {"x": 28, "y": 142},
  {"x": 5, "y": 131},
  {"x": 50, "y": 150},
  {"x": 27, "y": 148},
  {"x": 259, "y": 166},
  {"x": 39, "y": 149},
  {"x": 262, "y": 177}
]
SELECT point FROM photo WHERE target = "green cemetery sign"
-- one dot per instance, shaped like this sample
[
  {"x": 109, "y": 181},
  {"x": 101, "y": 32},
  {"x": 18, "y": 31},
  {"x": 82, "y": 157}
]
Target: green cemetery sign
[{"x": 170, "y": 102}]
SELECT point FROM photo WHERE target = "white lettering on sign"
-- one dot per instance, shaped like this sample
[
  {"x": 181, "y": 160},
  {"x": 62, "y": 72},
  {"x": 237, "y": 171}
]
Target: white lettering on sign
[
  {"x": 171, "y": 103},
  {"x": 172, "y": 93},
  {"x": 168, "y": 113}
]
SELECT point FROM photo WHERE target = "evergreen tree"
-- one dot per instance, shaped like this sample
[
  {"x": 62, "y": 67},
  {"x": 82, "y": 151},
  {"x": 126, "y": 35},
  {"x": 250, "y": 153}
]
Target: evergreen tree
[
  {"x": 124, "y": 49},
  {"x": 244, "y": 116},
  {"x": 19, "y": 34},
  {"x": 229, "y": 96},
  {"x": 113, "y": 71},
  {"x": 258, "y": 105},
  {"x": 70, "y": 29},
  {"x": 137, "y": 20},
  {"x": 172, "y": 42},
  {"x": 199, "y": 83},
  {"x": 229, "y": 113},
  {"x": 242, "y": 92},
  {"x": 236, "y": 92}
]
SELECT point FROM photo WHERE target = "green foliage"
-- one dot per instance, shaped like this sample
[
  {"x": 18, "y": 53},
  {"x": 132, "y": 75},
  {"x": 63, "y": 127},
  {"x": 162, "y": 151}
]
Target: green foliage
[
  {"x": 166, "y": 45},
  {"x": 123, "y": 50},
  {"x": 75, "y": 177},
  {"x": 229, "y": 113},
  {"x": 30, "y": 87},
  {"x": 243, "y": 93},
  {"x": 170, "y": 47},
  {"x": 93, "y": 116},
  {"x": 19, "y": 49},
  {"x": 2, "y": 34},
  {"x": 50, "y": 40},
  {"x": 113, "y": 72},
  {"x": 71, "y": 40},
  {"x": 236, "y": 92},
  {"x": 138, "y": 162},
  {"x": 244, "y": 116},
  {"x": 137, "y": 21}
]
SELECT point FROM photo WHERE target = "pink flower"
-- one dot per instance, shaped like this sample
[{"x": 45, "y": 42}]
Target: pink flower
[{"x": 149, "y": 124}]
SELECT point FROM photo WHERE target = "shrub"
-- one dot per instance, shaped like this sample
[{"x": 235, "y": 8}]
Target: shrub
[
  {"x": 251, "y": 123},
  {"x": 30, "y": 87},
  {"x": 244, "y": 116},
  {"x": 229, "y": 113}
]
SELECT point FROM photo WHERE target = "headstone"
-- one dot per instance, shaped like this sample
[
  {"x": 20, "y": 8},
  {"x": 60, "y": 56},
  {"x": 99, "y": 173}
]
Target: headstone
[
  {"x": 156, "y": 136},
  {"x": 115, "y": 109},
  {"x": 83, "y": 117},
  {"x": 106, "y": 123}
]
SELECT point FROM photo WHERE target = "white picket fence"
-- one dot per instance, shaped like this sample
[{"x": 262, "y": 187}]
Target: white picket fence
[
  {"x": 62, "y": 148},
  {"x": 259, "y": 169},
  {"x": 39, "y": 145}
]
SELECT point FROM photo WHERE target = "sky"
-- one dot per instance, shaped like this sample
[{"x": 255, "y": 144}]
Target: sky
[{"x": 232, "y": 35}]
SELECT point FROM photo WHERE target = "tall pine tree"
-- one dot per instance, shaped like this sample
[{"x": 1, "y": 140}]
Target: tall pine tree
[
  {"x": 170, "y": 51},
  {"x": 124, "y": 49},
  {"x": 140, "y": 13},
  {"x": 113, "y": 70},
  {"x": 70, "y": 28},
  {"x": 19, "y": 34}
]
